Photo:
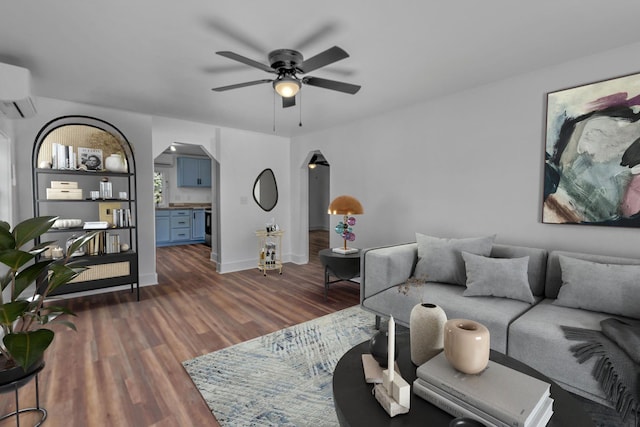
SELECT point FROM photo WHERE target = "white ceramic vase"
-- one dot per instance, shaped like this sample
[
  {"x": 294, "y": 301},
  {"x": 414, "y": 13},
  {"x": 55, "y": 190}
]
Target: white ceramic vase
[
  {"x": 115, "y": 163},
  {"x": 466, "y": 345},
  {"x": 426, "y": 330}
]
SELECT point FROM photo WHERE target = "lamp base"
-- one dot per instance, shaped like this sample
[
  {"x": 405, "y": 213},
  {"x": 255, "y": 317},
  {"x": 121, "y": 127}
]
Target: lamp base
[{"x": 344, "y": 251}]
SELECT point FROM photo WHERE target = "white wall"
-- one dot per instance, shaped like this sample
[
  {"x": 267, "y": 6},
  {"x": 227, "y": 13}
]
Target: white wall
[
  {"x": 243, "y": 156},
  {"x": 468, "y": 164},
  {"x": 7, "y": 183}
]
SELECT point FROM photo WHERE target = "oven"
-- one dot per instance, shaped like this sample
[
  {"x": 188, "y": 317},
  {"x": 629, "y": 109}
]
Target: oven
[{"x": 207, "y": 227}]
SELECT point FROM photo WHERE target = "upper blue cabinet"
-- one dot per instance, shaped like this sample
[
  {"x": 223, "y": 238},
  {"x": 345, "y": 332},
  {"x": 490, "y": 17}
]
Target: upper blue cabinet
[{"x": 194, "y": 172}]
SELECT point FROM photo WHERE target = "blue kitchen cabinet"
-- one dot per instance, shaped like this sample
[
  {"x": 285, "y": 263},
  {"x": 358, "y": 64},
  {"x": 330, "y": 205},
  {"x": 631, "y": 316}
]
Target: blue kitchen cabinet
[
  {"x": 163, "y": 227},
  {"x": 197, "y": 225},
  {"x": 194, "y": 172}
]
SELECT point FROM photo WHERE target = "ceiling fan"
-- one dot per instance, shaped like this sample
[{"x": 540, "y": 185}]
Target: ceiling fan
[{"x": 286, "y": 64}]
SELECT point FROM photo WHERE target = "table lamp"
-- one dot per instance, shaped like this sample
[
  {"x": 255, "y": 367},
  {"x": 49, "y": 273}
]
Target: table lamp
[{"x": 346, "y": 205}]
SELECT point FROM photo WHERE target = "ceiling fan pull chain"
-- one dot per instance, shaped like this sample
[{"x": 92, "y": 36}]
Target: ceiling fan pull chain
[
  {"x": 300, "y": 123},
  {"x": 274, "y": 112}
]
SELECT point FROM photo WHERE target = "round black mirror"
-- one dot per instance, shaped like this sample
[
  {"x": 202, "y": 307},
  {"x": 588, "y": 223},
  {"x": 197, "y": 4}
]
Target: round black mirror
[{"x": 265, "y": 190}]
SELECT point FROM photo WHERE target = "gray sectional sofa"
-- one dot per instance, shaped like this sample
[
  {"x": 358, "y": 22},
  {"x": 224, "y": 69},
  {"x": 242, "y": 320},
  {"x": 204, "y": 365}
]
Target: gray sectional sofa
[{"x": 522, "y": 325}]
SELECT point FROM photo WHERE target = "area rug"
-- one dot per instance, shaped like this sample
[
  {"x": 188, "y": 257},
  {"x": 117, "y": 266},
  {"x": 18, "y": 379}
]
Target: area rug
[{"x": 283, "y": 378}]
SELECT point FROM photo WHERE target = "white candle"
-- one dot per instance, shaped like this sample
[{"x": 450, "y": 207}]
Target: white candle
[{"x": 390, "y": 350}]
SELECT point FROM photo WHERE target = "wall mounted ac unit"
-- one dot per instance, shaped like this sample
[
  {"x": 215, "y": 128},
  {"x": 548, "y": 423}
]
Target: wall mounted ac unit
[
  {"x": 15, "y": 92},
  {"x": 164, "y": 159}
]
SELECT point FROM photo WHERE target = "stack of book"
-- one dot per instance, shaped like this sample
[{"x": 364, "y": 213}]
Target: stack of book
[
  {"x": 103, "y": 243},
  {"x": 499, "y": 396},
  {"x": 122, "y": 217}
]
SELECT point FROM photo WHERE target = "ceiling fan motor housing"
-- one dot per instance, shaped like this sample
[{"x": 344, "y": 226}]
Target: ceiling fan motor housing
[{"x": 286, "y": 61}]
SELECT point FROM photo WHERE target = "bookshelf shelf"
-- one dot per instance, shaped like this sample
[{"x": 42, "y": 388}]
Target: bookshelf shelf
[{"x": 110, "y": 265}]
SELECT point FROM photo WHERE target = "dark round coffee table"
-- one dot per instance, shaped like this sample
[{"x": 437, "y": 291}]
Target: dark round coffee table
[{"x": 356, "y": 406}]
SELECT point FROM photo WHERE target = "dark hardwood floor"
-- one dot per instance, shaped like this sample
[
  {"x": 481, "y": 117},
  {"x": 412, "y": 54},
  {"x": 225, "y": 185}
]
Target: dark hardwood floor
[{"x": 123, "y": 365}]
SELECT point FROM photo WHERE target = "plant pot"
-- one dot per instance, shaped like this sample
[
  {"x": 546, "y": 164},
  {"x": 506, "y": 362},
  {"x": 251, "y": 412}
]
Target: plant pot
[
  {"x": 10, "y": 372},
  {"x": 466, "y": 345},
  {"x": 378, "y": 347},
  {"x": 426, "y": 329}
]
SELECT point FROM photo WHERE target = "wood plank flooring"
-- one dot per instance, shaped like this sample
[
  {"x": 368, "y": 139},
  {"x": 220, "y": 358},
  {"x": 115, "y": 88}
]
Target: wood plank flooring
[{"x": 123, "y": 365}]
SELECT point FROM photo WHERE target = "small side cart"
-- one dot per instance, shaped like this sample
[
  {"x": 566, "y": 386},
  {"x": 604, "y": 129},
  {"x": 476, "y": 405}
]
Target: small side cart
[{"x": 269, "y": 250}]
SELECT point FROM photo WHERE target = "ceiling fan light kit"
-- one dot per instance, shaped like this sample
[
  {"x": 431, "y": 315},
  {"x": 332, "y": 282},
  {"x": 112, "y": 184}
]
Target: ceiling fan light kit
[
  {"x": 286, "y": 86},
  {"x": 286, "y": 63}
]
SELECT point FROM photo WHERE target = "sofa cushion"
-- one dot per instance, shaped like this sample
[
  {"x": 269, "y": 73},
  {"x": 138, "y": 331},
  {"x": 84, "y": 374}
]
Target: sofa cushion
[
  {"x": 495, "y": 313},
  {"x": 608, "y": 288},
  {"x": 554, "y": 273},
  {"x": 536, "y": 339},
  {"x": 440, "y": 260},
  {"x": 537, "y": 263},
  {"x": 498, "y": 277}
]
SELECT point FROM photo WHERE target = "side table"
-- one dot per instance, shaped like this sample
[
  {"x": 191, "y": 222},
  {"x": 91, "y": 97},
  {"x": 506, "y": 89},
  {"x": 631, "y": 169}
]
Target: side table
[
  {"x": 13, "y": 387},
  {"x": 343, "y": 266}
]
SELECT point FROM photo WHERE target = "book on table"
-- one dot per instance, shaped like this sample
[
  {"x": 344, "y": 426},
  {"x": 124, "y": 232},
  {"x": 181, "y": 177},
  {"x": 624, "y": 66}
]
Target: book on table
[
  {"x": 459, "y": 408},
  {"x": 509, "y": 396}
]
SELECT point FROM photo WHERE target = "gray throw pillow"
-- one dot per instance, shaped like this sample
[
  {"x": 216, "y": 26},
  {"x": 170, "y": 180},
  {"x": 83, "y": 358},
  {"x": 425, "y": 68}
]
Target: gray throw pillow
[
  {"x": 440, "y": 260},
  {"x": 608, "y": 288},
  {"x": 498, "y": 277}
]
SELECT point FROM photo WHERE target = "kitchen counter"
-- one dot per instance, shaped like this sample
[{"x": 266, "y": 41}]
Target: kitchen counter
[{"x": 173, "y": 206}]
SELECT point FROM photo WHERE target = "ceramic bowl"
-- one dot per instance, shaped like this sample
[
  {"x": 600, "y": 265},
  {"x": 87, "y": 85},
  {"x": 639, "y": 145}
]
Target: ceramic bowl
[
  {"x": 465, "y": 422},
  {"x": 67, "y": 223}
]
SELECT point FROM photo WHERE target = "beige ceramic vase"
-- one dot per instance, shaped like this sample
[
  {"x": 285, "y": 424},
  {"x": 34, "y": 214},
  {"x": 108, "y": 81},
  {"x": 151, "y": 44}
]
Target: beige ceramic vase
[{"x": 466, "y": 345}]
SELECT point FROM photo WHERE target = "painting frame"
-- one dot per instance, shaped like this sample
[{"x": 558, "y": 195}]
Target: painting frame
[
  {"x": 90, "y": 158},
  {"x": 592, "y": 154}
]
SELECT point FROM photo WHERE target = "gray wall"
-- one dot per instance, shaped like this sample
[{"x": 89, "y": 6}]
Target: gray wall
[{"x": 468, "y": 164}]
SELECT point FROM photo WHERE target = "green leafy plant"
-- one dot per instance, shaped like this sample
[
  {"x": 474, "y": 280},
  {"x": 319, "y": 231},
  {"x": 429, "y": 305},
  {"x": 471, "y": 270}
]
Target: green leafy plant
[{"x": 24, "y": 337}]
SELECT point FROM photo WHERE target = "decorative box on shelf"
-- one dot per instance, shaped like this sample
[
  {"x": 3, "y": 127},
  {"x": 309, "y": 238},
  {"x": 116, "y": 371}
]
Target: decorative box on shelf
[{"x": 64, "y": 194}]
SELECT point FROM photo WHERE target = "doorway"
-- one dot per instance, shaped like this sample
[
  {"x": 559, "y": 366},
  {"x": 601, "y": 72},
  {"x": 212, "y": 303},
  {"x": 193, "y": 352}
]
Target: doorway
[
  {"x": 319, "y": 180},
  {"x": 167, "y": 193}
]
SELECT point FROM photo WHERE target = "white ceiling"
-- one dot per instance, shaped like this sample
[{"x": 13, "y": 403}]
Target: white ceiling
[{"x": 158, "y": 56}]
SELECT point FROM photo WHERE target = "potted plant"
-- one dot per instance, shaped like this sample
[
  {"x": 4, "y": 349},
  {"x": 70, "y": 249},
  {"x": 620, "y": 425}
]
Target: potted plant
[{"x": 23, "y": 321}]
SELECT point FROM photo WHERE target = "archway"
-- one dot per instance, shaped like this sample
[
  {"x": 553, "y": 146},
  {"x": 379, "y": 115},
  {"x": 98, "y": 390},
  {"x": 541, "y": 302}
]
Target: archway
[
  {"x": 172, "y": 195},
  {"x": 318, "y": 200}
]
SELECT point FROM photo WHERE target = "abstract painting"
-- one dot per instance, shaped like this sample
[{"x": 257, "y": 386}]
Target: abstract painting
[{"x": 592, "y": 154}]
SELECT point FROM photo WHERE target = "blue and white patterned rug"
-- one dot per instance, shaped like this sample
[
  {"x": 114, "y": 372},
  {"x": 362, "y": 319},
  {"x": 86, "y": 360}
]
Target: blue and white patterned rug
[{"x": 283, "y": 378}]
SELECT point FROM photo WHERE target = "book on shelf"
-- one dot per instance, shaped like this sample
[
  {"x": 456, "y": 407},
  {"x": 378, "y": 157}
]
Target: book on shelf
[
  {"x": 502, "y": 392},
  {"x": 63, "y": 156},
  {"x": 459, "y": 408},
  {"x": 95, "y": 225},
  {"x": 104, "y": 243}
]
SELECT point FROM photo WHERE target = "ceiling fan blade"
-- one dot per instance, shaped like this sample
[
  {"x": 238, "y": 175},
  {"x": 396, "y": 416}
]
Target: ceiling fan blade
[
  {"x": 331, "y": 84},
  {"x": 322, "y": 59},
  {"x": 320, "y": 33},
  {"x": 236, "y": 34},
  {"x": 239, "y": 85},
  {"x": 245, "y": 60},
  {"x": 222, "y": 68},
  {"x": 288, "y": 102}
]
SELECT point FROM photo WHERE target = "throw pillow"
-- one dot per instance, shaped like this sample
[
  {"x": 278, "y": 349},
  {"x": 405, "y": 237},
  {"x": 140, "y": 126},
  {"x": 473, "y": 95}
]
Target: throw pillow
[
  {"x": 498, "y": 277},
  {"x": 440, "y": 260},
  {"x": 608, "y": 288}
]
